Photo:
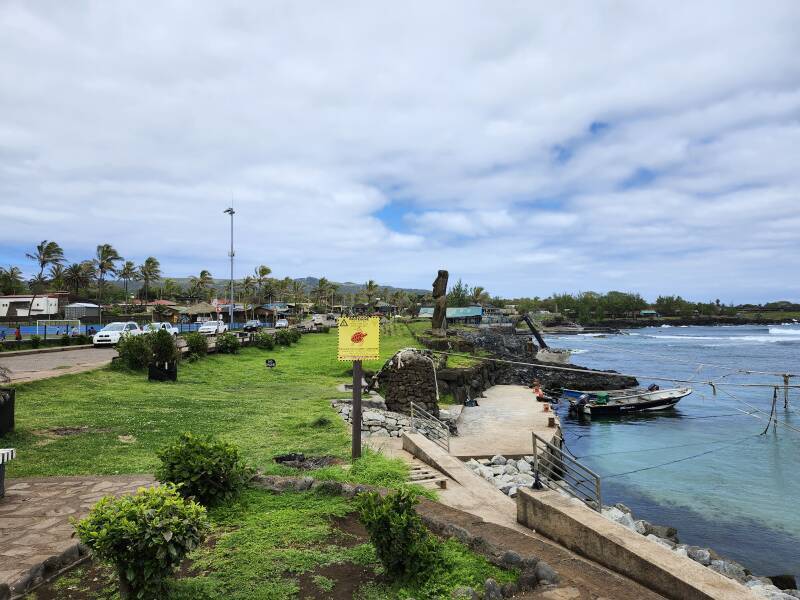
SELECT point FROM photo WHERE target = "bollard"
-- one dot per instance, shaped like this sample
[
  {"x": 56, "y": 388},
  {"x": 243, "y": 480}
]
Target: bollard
[
  {"x": 551, "y": 421},
  {"x": 546, "y": 407}
]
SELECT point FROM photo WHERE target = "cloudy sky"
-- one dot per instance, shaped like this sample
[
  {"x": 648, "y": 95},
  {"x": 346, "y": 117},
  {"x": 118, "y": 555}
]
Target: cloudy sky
[{"x": 529, "y": 147}]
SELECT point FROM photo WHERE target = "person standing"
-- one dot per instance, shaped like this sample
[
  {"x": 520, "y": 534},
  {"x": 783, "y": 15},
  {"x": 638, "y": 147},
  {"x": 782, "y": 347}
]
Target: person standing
[{"x": 18, "y": 334}]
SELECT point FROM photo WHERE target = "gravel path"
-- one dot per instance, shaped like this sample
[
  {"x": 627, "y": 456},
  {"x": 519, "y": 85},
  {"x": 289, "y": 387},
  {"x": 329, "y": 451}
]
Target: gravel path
[{"x": 31, "y": 367}]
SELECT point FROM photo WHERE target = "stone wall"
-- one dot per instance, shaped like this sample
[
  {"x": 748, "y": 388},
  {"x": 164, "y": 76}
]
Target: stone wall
[{"x": 409, "y": 377}]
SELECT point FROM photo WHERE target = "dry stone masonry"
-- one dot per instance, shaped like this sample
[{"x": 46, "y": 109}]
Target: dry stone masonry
[{"x": 409, "y": 376}]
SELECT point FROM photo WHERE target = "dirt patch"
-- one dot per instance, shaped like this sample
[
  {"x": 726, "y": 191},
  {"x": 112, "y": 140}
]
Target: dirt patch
[
  {"x": 334, "y": 582},
  {"x": 298, "y": 460},
  {"x": 51, "y": 434},
  {"x": 348, "y": 531}
]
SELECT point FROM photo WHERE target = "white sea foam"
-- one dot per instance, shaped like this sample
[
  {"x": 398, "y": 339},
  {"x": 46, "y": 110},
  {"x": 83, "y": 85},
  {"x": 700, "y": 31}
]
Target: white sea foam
[
  {"x": 578, "y": 351},
  {"x": 783, "y": 331},
  {"x": 592, "y": 334}
]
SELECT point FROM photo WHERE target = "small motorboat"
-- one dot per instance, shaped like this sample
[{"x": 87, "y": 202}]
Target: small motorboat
[{"x": 603, "y": 404}]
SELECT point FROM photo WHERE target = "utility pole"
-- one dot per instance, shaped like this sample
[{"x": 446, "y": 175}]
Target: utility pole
[{"x": 231, "y": 212}]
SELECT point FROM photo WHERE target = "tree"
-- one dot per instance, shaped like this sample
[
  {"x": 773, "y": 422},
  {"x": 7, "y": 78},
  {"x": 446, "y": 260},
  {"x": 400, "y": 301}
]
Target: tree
[
  {"x": 248, "y": 289},
  {"x": 370, "y": 291},
  {"x": 479, "y": 295},
  {"x": 150, "y": 271},
  {"x": 78, "y": 275},
  {"x": 320, "y": 293},
  {"x": 262, "y": 273},
  {"x": 127, "y": 273},
  {"x": 298, "y": 292},
  {"x": 459, "y": 294},
  {"x": 46, "y": 255},
  {"x": 56, "y": 277},
  {"x": 11, "y": 280},
  {"x": 201, "y": 284},
  {"x": 171, "y": 289},
  {"x": 104, "y": 262}
]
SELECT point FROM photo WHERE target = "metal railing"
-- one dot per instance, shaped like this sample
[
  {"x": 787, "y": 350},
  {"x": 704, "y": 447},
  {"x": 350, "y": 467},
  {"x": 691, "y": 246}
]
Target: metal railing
[
  {"x": 432, "y": 428},
  {"x": 560, "y": 471}
]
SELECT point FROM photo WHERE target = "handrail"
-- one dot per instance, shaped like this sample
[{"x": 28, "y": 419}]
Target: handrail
[
  {"x": 562, "y": 472},
  {"x": 430, "y": 426}
]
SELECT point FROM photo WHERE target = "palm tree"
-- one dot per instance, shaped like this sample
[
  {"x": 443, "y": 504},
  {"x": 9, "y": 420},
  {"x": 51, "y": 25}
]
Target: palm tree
[
  {"x": 127, "y": 273},
  {"x": 57, "y": 277},
  {"x": 104, "y": 262},
  {"x": 298, "y": 292},
  {"x": 170, "y": 289},
  {"x": 78, "y": 275},
  {"x": 479, "y": 295},
  {"x": 319, "y": 294},
  {"x": 248, "y": 289},
  {"x": 202, "y": 283},
  {"x": 284, "y": 285},
  {"x": 150, "y": 271},
  {"x": 11, "y": 280},
  {"x": 47, "y": 254},
  {"x": 261, "y": 274},
  {"x": 370, "y": 291}
]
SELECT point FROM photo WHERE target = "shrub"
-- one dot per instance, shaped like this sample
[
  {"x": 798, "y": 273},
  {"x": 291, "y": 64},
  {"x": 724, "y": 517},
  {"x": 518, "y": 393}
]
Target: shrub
[
  {"x": 163, "y": 347},
  {"x": 264, "y": 340},
  {"x": 294, "y": 335},
  {"x": 83, "y": 339},
  {"x": 135, "y": 351},
  {"x": 35, "y": 341},
  {"x": 145, "y": 536},
  {"x": 227, "y": 343},
  {"x": 403, "y": 545},
  {"x": 206, "y": 469},
  {"x": 65, "y": 340},
  {"x": 325, "y": 329},
  {"x": 283, "y": 337},
  {"x": 197, "y": 344}
]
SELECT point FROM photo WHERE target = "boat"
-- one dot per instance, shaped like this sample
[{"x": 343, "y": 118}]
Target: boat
[{"x": 603, "y": 404}]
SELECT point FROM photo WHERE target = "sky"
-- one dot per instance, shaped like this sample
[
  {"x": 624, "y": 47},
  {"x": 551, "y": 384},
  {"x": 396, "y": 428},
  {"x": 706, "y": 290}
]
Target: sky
[{"x": 527, "y": 147}]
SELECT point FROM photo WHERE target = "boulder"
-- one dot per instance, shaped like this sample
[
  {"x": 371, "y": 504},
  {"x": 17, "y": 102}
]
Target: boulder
[
  {"x": 491, "y": 590},
  {"x": 510, "y": 469},
  {"x": 545, "y": 574},
  {"x": 464, "y": 593},
  {"x": 523, "y": 467},
  {"x": 729, "y": 569},
  {"x": 499, "y": 460},
  {"x": 663, "y": 531},
  {"x": 700, "y": 555}
]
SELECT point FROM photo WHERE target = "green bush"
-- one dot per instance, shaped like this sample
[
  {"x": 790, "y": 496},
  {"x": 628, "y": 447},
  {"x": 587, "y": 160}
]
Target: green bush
[
  {"x": 227, "y": 343},
  {"x": 403, "y": 545},
  {"x": 264, "y": 340},
  {"x": 283, "y": 337},
  {"x": 197, "y": 344},
  {"x": 163, "y": 347},
  {"x": 294, "y": 335},
  {"x": 35, "y": 341},
  {"x": 135, "y": 351},
  {"x": 206, "y": 469},
  {"x": 83, "y": 339},
  {"x": 145, "y": 536},
  {"x": 65, "y": 341},
  {"x": 325, "y": 329}
]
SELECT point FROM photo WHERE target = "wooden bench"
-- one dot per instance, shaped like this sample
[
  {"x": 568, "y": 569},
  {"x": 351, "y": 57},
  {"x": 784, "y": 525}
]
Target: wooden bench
[{"x": 6, "y": 455}]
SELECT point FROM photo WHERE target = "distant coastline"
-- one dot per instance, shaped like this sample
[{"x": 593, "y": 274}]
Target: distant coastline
[{"x": 684, "y": 321}]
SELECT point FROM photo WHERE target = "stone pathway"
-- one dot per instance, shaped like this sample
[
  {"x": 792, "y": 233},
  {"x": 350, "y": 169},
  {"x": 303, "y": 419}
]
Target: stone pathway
[{"x": 35, "y": 512}]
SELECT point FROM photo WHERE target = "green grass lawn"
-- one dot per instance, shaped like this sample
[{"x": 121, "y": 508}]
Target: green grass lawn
[{"x": 264, "y": 411}]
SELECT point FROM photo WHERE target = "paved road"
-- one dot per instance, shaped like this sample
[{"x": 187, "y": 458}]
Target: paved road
[{"x": 30, "y": 367}]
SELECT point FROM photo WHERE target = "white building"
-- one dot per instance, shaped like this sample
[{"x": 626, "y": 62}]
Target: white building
[{"x": 17, "y": 306}]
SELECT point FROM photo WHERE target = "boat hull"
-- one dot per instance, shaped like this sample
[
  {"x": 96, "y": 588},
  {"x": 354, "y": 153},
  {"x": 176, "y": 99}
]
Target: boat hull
[{"x": 648, "y": 401}]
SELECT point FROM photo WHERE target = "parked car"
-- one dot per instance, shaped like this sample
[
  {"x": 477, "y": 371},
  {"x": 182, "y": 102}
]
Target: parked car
[
  {"x": 281, "y": 324},
  {"x": 111, "y": 333},
  {"x": 253, "y": 325},
  {"x": 213, "y": 328},
  {"x": 153, "y": 327}
]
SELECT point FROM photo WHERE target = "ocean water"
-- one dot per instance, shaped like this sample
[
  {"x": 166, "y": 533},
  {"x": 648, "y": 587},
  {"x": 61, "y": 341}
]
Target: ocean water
[{"x": 726, "y": 486}]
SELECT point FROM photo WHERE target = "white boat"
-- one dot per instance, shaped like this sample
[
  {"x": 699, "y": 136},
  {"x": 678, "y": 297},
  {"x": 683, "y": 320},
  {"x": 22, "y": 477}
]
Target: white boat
[{"x": 616, "y": 403}]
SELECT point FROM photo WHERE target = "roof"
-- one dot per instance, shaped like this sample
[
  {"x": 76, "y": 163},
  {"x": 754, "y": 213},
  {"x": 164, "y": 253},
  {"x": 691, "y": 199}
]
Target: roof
[
  {"x": 201, "y": 308},
  {"x": 454, "y": 312},
  {"x": 82, "y": 305}
]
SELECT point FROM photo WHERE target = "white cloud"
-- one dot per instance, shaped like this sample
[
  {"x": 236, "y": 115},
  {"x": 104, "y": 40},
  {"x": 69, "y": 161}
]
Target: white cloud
[{"x": 138, "y": 126}]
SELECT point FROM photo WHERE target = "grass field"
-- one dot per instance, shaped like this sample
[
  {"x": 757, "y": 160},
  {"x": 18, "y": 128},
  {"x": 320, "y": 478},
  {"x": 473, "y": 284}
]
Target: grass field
[{"x": 108, "y": 421}]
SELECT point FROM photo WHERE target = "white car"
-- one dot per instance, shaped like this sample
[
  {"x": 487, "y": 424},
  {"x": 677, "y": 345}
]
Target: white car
[
  {"x": 111, "y": 333},
  {"x": 213, "y": 328},
  {"x": 281, "y": 324},
  {"x": 153, "y": 327}
]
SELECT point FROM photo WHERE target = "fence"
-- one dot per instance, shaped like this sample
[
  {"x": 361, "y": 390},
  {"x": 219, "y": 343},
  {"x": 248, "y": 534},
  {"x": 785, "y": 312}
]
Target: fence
[
  {"x": 432, "y": 428},
  {"x": 560, "y": 471}
]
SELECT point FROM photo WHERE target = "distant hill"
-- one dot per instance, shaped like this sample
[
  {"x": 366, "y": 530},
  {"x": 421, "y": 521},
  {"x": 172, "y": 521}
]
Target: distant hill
[{"x": 309, "y": 283}]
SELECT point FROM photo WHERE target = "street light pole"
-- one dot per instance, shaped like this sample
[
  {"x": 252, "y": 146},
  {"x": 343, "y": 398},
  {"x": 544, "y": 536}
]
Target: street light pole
[{"x": 231, "y": 212}]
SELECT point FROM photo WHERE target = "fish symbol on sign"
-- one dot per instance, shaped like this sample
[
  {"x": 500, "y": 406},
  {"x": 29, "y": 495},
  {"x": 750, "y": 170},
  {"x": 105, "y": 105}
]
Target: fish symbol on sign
[{"x": 358, "y": 337}]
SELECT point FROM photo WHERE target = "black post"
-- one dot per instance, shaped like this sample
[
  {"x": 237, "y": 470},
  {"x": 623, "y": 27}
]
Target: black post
[{"x": 355, "y": 413}]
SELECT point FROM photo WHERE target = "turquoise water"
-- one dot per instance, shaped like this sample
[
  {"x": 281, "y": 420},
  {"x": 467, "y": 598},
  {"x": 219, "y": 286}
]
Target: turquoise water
[{"x": 743, "y": 497}]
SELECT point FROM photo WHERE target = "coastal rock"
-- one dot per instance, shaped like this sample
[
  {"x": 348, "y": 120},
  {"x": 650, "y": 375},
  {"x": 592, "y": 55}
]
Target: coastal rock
[
  {"x": 464, "y": 593},
  {"x": 623, "y": 508},
  {"x": 660, "y": 541},
  {"x": 499, "y": 460},
  {"x": 729, "y": 569},
  {"x": 523, "y": 479},
  {"x": 641, "y": 527},
  {"x": 700, "y": 555},
  {"x": 612, "y": 513},
  {"x": 523, "y": 466},
  {"x": 510, "y": 469},
  {"x": 663, "y": 531},
  {"x": 545, "y": 574}
]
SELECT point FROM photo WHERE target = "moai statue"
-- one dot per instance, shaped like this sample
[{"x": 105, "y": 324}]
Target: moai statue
[{"x": 439, "y": 324}]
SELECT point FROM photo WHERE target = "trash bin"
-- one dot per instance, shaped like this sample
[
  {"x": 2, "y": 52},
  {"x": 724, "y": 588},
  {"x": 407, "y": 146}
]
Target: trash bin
[
  {"x": 7, "y": 396},
  {"x": 602, "y": 398}
]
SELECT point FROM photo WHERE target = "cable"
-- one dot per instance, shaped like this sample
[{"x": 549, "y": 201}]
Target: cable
[
  {"x": 607, "y": 373},
  {"x": 672, "y": 462},
  {"x": 761, "y": 411},
  {"x": 660, "y": 448}
]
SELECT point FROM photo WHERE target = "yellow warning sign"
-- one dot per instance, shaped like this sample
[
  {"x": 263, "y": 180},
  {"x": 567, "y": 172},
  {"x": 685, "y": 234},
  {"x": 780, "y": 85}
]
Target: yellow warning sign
[{"x": 359, "y": 338}]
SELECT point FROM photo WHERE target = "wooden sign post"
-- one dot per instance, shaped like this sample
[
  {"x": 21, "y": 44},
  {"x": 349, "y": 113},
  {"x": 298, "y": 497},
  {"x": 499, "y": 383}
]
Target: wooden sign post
[{"x": 359, "y": 339}]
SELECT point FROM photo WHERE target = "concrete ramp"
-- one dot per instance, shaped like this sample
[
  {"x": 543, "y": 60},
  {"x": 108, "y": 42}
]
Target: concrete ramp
[{"x": 501, "y": 424}]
